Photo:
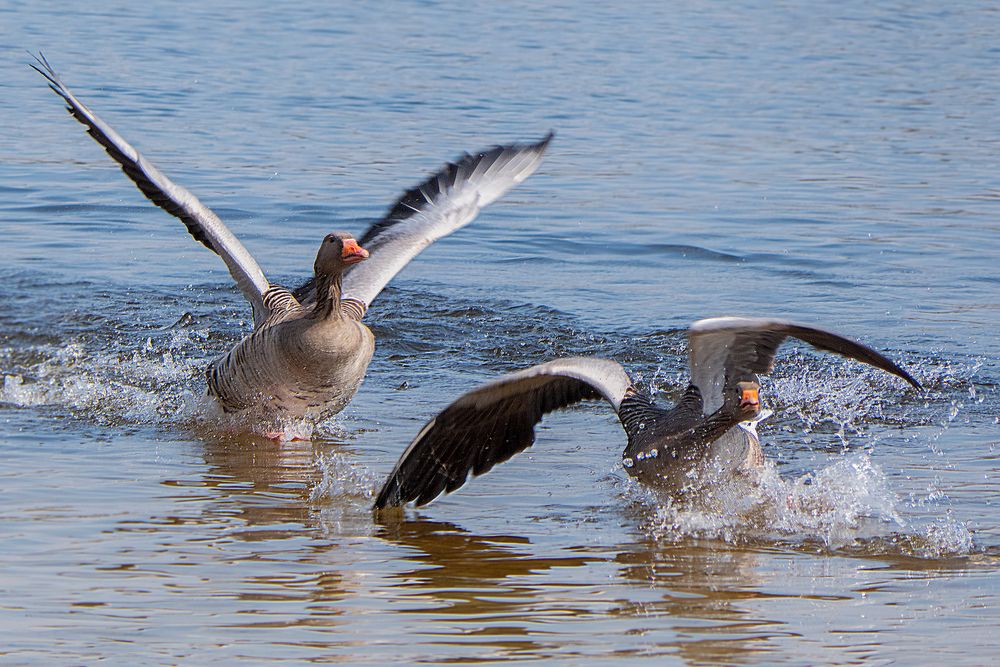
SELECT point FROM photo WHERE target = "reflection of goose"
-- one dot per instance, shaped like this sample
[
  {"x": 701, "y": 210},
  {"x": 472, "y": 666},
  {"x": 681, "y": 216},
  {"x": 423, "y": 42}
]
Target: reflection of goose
[
  {"x": 309, "y": 350},
  {"x": 712, "y": 428},
  {"x": 265, "y": 483},
  {"x": 450, "y": 567},
  {"x": 703, "y": 595},
  {"x": 461, "y": 558}
]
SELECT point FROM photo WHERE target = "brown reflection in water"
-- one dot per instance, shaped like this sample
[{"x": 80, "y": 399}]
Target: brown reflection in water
[
  {"x": 485, "y": 591},
  {"x": 265, "y": 483},
  {"x": 705, "y": 590},
  {"x": 449, "y": 558},
  {"x": 261, "y": 492},
  {"x": 492, "y": 591},
  {"x": 703, "y": 585},
  {"x": 461, "y": 593},
  {"x": 727, "y": 583}
]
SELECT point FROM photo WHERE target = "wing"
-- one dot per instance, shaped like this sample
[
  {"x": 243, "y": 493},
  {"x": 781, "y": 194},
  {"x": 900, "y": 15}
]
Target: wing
[
  {"x": 490, "y": 424},
  {"x": 732, "y": 348},
  {"x": 201, "y": 222},
  {"x": 444, "y": 203}
]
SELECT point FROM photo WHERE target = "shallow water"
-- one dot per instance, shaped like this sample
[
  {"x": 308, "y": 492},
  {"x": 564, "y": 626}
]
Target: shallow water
[{"x": 833, "y": 165}]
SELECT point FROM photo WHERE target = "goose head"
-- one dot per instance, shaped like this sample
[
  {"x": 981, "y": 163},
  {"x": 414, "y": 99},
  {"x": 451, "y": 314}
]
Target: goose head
[
  {"x": 748, "y": 394},
  {"x": 338, "y": 251}
]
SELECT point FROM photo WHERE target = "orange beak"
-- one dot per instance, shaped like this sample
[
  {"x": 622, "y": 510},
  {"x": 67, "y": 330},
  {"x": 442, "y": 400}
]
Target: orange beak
[
  {"x": 352, "y": 252},
  {"x": 749, "y": 397}
]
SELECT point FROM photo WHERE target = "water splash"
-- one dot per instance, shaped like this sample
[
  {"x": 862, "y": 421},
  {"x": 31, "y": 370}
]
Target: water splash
[
  {"x": 836, "y": 504},
  {"x": 118, "y": 377},
  {"x": 847, "y": 506},
  {"x": 343, "y": 478},
  {"x": 152, "y": 383},
  {"x": 113, "y": 364},
  {"x": 343, "y": 495}
]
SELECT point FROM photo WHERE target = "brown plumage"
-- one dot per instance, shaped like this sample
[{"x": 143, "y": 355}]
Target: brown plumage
[{"x": 303, "y": 360}]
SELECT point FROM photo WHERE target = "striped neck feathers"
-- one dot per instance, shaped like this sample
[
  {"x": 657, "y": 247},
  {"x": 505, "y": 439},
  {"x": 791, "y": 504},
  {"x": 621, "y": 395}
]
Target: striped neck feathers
[{"x": 328, "y": 288}]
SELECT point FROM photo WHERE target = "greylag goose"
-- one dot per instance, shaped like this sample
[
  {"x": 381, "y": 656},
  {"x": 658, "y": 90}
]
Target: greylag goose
[
  {"x": 309, "y": 349},
  {"x": 711, "y": 429}
]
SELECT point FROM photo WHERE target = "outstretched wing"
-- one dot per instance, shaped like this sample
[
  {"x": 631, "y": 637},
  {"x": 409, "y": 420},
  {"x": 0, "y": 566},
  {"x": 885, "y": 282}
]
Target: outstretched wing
[
  {"x": 201, "y": 222},
  {"x": 490, "y": 424},
  {"x": 735, "y": 348},
  {"x": 444, "y": 203}
]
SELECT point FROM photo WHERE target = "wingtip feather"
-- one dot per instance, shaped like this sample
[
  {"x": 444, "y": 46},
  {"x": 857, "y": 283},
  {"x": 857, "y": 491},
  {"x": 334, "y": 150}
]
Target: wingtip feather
[{"x": 546, "y": 140}]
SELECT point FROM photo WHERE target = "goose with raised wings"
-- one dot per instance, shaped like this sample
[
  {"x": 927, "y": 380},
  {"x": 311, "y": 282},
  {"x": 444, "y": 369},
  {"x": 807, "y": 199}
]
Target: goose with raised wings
[{"x": 309, "y": 349}]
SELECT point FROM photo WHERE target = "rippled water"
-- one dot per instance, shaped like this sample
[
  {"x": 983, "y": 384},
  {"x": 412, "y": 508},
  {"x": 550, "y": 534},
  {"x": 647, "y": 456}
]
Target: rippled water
[{"x": 836, "y": 165}]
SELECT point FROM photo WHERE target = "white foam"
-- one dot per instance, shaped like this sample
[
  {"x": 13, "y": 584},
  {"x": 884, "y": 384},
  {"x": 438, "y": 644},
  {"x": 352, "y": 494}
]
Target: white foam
[
  {"x": 343, "y": 477},
  {"x": 120, "y": 381},
  {"x": 148, "y": 385},
  {"x": 847, "y": 505}
]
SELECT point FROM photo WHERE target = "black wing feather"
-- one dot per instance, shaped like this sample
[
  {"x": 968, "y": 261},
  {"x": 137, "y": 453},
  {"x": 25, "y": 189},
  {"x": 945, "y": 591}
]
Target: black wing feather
[
  {"x": 464, "y": 439},
  {"x": 417, "y": 198},
  {"x": 128, "y": 163},
  {"x": 824, "y": 340}
]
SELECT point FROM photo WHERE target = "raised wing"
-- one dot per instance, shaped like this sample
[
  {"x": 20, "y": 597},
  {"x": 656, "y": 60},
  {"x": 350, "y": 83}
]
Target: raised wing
[
  {"x": 736, "y": 348},
  {"x": 490, "y": 424},
  {"x": 201, "y": 222},
  {"x": 444, "y": 203}
]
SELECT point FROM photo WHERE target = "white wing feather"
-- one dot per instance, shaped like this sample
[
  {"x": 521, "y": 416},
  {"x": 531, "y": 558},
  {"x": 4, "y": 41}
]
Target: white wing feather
[
  {"x": 203, "y": 224},
  {"x": 444, "y": 203}
]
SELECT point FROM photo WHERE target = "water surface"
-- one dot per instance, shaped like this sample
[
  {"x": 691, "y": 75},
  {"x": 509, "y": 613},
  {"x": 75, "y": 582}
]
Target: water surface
[{"x": 835, "y": 165}]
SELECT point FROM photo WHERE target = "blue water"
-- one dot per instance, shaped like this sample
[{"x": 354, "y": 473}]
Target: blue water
[{"x": 833, "y": 164}]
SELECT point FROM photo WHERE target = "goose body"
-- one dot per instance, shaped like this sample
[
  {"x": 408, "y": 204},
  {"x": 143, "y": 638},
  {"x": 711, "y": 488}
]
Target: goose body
[
  {"x": 309, "y": 349},
  {"x": 303, "y": 360},
  {"x": 708, "y": 435},
  {"x": 294, "y": 368},
  {"x": 677, "y": 447}
]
